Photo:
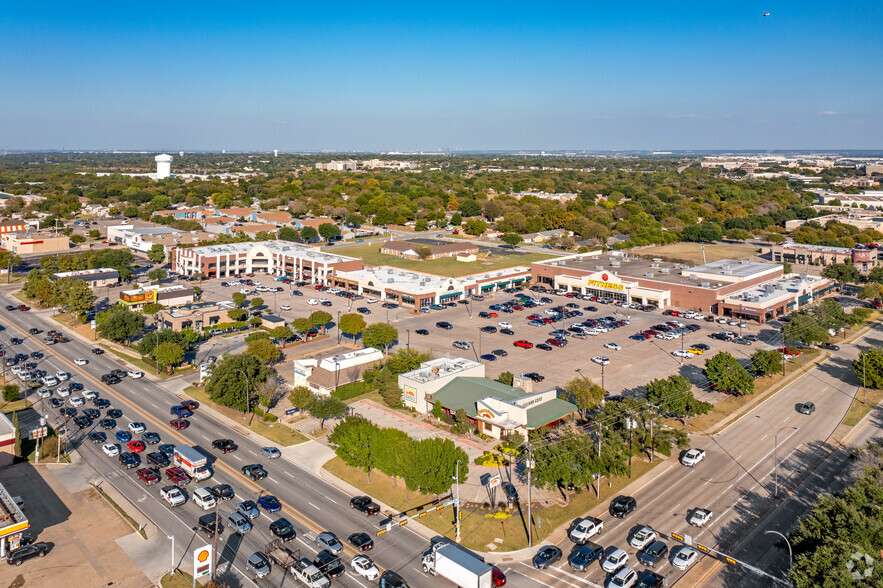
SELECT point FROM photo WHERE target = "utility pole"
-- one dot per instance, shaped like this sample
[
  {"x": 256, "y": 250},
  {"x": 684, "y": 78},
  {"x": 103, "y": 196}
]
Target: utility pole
[
  {"x": 598, "y": 481},
  {"x": 529, "y": 519},
  {"x": 215, "y": 542},
  {"x": 338, "y": 327},
  {"x": 864, "y": 382},
  {"x": 408, "y": 344},
  {"x": 457, "y": 513},
  {"x": 247, "y": 394}
]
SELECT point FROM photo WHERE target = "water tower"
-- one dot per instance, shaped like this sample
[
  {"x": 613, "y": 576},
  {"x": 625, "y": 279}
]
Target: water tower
[{"x": 163, "y": 166}]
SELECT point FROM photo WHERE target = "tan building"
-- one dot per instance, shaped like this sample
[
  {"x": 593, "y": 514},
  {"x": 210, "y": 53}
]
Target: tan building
[
  {"x": 196, "y": 316},
  {"x": 863, "y": 258},
  {"x": 13, "y": 226},
  {"x": 340, "y": 366},
  {"x": 177, "y": 295},
  {"x": 7, "y": 441},
  {"x": 94, "y": 278},
  {"x": 408, "y": 250},
  {"x": 23, "y": 244}
]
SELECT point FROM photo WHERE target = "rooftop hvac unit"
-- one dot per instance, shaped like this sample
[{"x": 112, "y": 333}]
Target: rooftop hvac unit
[
  {"x": 657, "y": 259},
  {"x": 718, "y": 285},
  {"x": 664, "y": 270},
  {"x": 614, "y": 264},
  {"x": 648, "y": 275},
  {"x": 692, "y": 276},
  {"x": 704, "y": 284},
  {"x": 599, "y": 267}
]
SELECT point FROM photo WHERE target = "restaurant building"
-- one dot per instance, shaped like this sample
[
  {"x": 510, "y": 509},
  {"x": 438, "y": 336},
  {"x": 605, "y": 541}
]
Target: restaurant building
[{"x": 177, "y": 295}]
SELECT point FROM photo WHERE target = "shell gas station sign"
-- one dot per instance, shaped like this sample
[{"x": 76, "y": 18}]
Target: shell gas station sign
[{"x": 202, "y": 561}]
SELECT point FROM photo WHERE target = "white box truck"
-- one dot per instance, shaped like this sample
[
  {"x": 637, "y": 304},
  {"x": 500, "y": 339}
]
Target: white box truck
[
  {"x": 457, "y": 565},
  {"x": 192, "y": 462}
]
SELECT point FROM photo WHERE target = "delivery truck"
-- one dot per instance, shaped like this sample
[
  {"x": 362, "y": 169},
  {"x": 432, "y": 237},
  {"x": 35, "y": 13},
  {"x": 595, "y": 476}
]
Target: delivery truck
[
  {"x": 192, "y": 462},
  {"x": 458, "y": 565}
]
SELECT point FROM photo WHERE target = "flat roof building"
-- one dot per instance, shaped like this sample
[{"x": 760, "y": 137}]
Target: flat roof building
[
  {"x": 416, "y": 385},
  {"x": 863, "y": 258},
  {"x": 280, "y": 258},
  {"x": 340, "y": 366},
  {"x": 34, "y": 243},
  {"x": 94, "y": 278},
  {"x": 176, "y": 295},
  {"x": 408, "y": 250},
  {"x": 199, "y": 316},
  {"x": 12, "y": 522}
]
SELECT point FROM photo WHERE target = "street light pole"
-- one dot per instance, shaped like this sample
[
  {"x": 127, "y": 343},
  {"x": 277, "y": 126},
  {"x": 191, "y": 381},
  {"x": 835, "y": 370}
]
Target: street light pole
[
  {"x": 408, "y": 344},
  {"x": 457, "y": 514},
  {"x": 788, "y": 543},
  {"x": 529, "y": 517},
  {"x": 338, "y": 327},
  {"x": 247, "y": 394},
  {"x": 775, "y": 452},
  {"x": 172, "y": 562}
]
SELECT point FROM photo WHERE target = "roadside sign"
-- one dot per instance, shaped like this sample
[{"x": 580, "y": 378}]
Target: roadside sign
[
  {"x": 37, "y": 433},
  {"x": 494, "y": 481},
  {"x": 202, "y": 561}
]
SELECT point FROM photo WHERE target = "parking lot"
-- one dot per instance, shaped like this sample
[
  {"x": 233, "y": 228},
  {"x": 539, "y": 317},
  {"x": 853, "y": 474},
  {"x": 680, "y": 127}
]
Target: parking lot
[{"x": 631, "y": 366}]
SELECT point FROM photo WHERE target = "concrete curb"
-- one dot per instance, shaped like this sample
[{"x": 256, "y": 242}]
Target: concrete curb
[{"x": 130, "y": 509}]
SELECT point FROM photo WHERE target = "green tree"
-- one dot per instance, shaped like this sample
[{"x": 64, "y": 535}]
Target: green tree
[
  {"x": 257, "y": 302},
  {"x": 157, "y": 253},
  {"x": 437, "y": 410},
  {"x": 77, "y": 296},
  {"x": 300, "y": 397},
  {"x": 77, "y": 239},
  {"x": 320, "y": 318},
  {"x": 329, "y": 231},
  {"x": 461, "y": 423},
  {"x": 396, "y": 453},
  {"x": 786, "y": 267},
  {"x": 872, "y": 290},
  {"x": 572, "y": 459},
  {"x": 380, "y": 336},
  {"x": 584, "y": 393},
  {"x": 281, "y": 333},
  {"x": 151, "y": 308},
  {"x": 421, "y": 225},
  {"x": 236, "y": 314},
  {"x": 157, "y": 274},
  {"x": 352, "y": 324},
  {"x": 388, "y": 387},
  {"x": 456, "y": 219},
  {"x": 766, "y": 361},
  {"x": 355, "y": 219},
  {"x": 326, "y": 407},
  {"x": 288, "y": 234},
  {"x": 470, "y": 208},
  {"x": 506, "y": 378},
  {"x": 238, "y": 298},
  {"x": 868, "y": 367},
  {"x": 725, "y": 374},
  {"x": 512, "y": 239},
  {"x": 433, "y": 473},
  {"x": 875, "y": 275},
  {"x": 169, "y": 354},
  {"x": 119, "y": 324},
  {"x": 302, "y": 325},
  {"x": 265, "y": 350},
  {"x": 703, "y": 232},
  {"x": 94, "y": 234},
  {"x": 11, "y": 392},
  {"x": 308, "y": 234},
  {"x": 423, "y": 252},
  {"x": 235, "y": 378},
  {"x": 806, "y": 329},
  {"x": 405, "y": 360},
  {"x": 255, "y": 322},
  {"x": 674, "y": 395},
  {"x": 842, "y": 273},
  {"x": 16, "y": 447},
  {"x": 354, "y": 441},
  {"x": 475, "y": 227}
]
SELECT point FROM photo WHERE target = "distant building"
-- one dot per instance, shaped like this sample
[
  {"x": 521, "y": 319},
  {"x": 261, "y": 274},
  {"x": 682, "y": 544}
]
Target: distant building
[
  {"x": 323, "y": 374},
  {"x": 557, "y": 196},
  {"x": 185, "y": 213},
  {"x": 348, "y": 165},
  {"x": 94, "y": 278},
  {"x": 863, "y": 258},
  {"x": 199, "y": 316},
  {"x": 13, "y": 226},
  {"x": 177, "y": 295},
  {"x": 408, "y": 250},
  {"x": 429, "y": 378},
  {"x": 29, "y": 244}
]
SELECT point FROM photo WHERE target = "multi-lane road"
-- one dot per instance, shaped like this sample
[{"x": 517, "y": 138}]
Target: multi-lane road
[{"x": 735, "y": 481}]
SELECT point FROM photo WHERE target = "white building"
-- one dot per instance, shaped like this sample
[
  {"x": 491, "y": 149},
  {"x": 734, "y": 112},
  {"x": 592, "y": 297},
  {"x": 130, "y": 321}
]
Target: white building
[
  {"x": 416, "y": 385},
  {"x": 323, "y": 375}
]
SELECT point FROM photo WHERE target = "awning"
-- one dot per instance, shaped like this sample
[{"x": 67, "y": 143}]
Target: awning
[
  {"x": 486, "y": 288},
  {"x": 506, "y": 283},
  {"x": 443, "y": 296}
]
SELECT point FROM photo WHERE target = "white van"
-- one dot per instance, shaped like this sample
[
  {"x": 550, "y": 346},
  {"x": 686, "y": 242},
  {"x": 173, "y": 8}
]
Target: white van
[{"x": 204, "y": 498}]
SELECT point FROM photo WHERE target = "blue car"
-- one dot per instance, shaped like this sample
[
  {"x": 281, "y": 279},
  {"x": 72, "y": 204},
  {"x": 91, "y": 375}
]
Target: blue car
[
  {"x": 182, "y": 412},
  {"x": 124, "y": 436},
  {"x": 489, "y": 357},
  {"x": 424, "y": 310},
  {"x": 495, "y": 307},
  {"x": 269, "y": 503},
  {"x": 436, "y": 307},
  {"x": 636, "y": 337}
]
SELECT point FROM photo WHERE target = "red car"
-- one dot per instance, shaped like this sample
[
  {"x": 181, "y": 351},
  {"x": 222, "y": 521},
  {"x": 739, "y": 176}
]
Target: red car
[
  {"x": 178, "y": 476},
  {"x": 493, "y": 314},
  {"x": 149, "y": 476},
  {"x": 792, "y": 351},
  {"x": 523, "y": 343},
  {"x": 516, "y": 307},
  {"x": 534, "y": 317},
  {"x": 557, "y": 342},
  {"x": 23, "y": 308},
  {"x": 135, "y": 446},
  {"x": 179, "y": 424},
  {"x": 190, "y": 404},
  {"x": 498, "y": 577}
]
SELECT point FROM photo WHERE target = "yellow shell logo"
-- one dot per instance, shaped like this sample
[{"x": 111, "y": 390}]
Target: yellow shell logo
[{"x": 203, "y": 555}]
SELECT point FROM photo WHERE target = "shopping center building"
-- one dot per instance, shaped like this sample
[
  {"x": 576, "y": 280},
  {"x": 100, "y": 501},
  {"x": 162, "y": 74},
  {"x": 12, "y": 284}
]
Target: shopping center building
[{"x": 725, "y": 288}]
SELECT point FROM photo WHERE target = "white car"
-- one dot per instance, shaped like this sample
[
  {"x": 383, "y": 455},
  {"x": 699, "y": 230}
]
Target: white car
[
  {"x": 617, "y": 559},
  {"x": 204, "y": 498},
  {"x": 504, "y": 325},
  {"x": 363, "y": 566},
  {"x": 372, "y": 300},
  {"x": 76, "y": 401},
  {"x": 173, "y": 495},
  {"x": 63, "y": 376},
  {"x": 692, "y": 457},
  {"x": 136, "y": 427},
  {"x": 50, "y": 381},
  {"x": 44, "y": 393},
  {"x": 681, "y": 353},
  {"x": 722, "y": 321},
  {"x": 64, "y": 391},
  {"x": 601, "y": 360},
  {"x": 624, "y": 578},
  {"x": 550, "y": 311},
  {"x": 110, "y": 449},
  {"x": 312, "y": 302},
  {"x": 585, "y": 528},
  {"x": 644, "y": 537},
  {"x": 593, "y": 332},
  {"x": 613, "y": 346},
  {"x": 90, "y": 394},
  {"x": 699, "y": 517},
  {"x": 324, "y": 300},
  {"x": 81, "y": 361},
  {"x": 685, "y": 558},
  {"x": 285, "y": 307},
  {"x": 135, "y": 374}
]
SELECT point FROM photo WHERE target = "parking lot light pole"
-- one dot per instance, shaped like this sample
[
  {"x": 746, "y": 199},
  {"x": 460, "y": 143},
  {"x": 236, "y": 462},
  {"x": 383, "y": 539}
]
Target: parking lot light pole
[
  {"x": 408, "y": 344},
  {"x": 457, "y": 514},
  {"x": 338, "y": 327},
  {"x": 172, "y": 562},
  {"x": 775, "y": 451}
]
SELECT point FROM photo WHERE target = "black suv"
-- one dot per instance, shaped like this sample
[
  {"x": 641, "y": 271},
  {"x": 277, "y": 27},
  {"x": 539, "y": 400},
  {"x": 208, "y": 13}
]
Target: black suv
[
  {"x": 208, "y": 525},
  {"x": 622, "y": 506},
  {"x": 444, "y": 325},
  {"x": 225, "y": 445},
  {"x": 26, "y": 552},
  {"x": 282, "y": 529},
  {"x": 653, "y": 553},
  {"x": 329, "y": 564},
  {"x": 157, "y": 459},
  {"x": 129, "y": 460},
  {"x": 110, "y": 379},
  {"x": 365, "y": 505},
  {"x": 534, "y": 376}
]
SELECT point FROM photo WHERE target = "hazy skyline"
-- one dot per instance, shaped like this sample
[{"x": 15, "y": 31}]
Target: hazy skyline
[{"x": 347, "y": 76}]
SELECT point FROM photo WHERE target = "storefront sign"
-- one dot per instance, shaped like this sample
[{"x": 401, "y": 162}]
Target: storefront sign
[
  {"x": 202, "y": 561},
  {"x": 410, "y": 393},
  {"x": 486, "y": 414},
  {"x": 603, "y": 283}
]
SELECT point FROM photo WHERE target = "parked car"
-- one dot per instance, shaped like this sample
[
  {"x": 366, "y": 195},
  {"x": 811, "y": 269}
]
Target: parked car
[{"x": 19, "y": 556}]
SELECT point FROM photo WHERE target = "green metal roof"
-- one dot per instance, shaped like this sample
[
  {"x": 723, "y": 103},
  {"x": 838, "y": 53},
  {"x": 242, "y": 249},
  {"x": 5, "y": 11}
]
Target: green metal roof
[{"x": 464, "y": 392}]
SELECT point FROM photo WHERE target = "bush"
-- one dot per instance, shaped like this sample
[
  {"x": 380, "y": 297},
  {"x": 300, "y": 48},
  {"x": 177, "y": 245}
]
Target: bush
[
  {"x": 270, "y": 418},
  {"x": 10, "y": 392},
  {"x": 488, "y": 459},
  {"x": 507, "y": 448},
  {"x": 348, "y": 391}
]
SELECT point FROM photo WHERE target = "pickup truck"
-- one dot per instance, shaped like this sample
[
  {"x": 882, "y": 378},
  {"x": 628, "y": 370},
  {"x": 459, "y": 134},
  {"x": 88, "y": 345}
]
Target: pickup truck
[
  {"x": 365, "y": 504},
  {"x": 304, "y": 570}
]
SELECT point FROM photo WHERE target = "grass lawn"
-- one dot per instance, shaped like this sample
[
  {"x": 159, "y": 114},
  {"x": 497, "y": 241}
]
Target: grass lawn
[
  {"x": 147, "y": 367},
  {"x": 692, "y": 252},
  {"x": 858, "y": 410},
  {"x": 762, "y": 386},
  {"x": 177, "y": 580},
  {"x": 448, "y": 266},
  {"x": 275, "y": 432},
  {"x": 15, "y": 405},
  {"x": 478, "y": 530}
]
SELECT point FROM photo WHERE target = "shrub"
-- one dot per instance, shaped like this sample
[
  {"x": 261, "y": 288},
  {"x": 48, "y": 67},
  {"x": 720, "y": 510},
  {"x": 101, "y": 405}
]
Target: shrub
[
  {"x": 352, "y": 390},
  {"x": 491, "y": 460},
  {"x": 270, "y": 418},
  {"x": 10, "y": 392},
  {"x": 507, "y": 448}
]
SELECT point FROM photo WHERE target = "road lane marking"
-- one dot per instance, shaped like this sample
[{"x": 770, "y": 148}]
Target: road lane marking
[
  {"x": 765, "y": 436},
  {"x": 314, "y": 506},
  {"x": 289, "y": 474},
  {"x": 786, "y": 419},
  {"x": 545, "y": 573},
  {"x": 332, "y": 500}
]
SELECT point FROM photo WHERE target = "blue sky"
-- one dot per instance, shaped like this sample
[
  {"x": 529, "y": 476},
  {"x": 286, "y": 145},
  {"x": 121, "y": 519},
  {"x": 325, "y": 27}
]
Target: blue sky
[{"x": 425, "y": 75}]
